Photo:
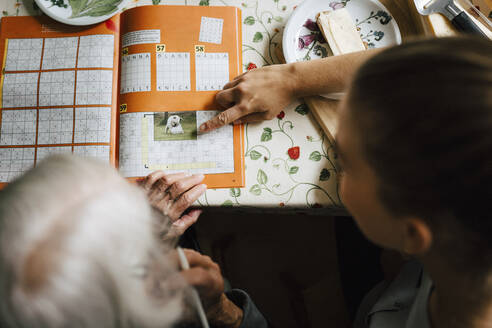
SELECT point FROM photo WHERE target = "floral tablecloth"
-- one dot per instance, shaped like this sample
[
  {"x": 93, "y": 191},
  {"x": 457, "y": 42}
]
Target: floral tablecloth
[{"x": 289, "y": 163}]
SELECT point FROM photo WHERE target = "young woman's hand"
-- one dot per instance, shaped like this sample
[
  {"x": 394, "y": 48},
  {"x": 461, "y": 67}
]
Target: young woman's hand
[
  {"x": 257, "y": 95},
  {"x": 204, "y": 274},
  {"x": 173, "y": 194},
  {"x": 262, "y": 93}
]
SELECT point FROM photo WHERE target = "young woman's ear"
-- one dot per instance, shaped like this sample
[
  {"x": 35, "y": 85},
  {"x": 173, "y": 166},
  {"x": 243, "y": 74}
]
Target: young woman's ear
[{"x": 417, "y": 236}]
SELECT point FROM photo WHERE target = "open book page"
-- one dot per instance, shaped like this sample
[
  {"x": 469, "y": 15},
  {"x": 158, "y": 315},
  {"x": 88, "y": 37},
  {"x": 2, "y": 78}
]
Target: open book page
[
  {"x": 58, "y": 91},
  {"x": 174, "y": 60}
]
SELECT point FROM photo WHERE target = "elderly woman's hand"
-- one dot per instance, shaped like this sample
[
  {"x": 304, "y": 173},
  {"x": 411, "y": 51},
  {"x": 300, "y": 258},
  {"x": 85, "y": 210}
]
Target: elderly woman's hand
[
  {"x": 204, "y": 274},
  {"x": 173, "y": 194}
]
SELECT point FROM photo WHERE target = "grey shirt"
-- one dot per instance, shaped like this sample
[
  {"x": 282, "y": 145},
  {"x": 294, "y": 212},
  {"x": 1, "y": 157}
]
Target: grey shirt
[
  {"x": 401, "y": 303},
  {"x": 252, "y": 317}
]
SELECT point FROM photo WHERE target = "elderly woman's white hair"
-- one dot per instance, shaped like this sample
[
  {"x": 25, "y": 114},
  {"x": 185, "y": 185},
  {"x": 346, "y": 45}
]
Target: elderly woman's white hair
[{"x": 78, "y": 249}]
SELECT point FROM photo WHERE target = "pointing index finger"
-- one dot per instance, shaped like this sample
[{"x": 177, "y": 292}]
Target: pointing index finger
[{"x": 224, "y": 118}]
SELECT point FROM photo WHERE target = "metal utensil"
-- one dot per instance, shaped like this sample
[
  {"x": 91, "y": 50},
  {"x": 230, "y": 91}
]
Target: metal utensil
[{"x": 449, "y": 9}]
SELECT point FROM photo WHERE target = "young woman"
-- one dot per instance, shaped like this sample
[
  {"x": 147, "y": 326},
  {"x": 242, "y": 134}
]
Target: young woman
[{"x": 415, "y": 144}]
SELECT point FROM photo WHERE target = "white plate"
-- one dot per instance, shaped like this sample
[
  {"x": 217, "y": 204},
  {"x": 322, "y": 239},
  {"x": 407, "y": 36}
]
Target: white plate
[
  {"x": 377, "y": 27},
  {"x": 87, "y": 15}
]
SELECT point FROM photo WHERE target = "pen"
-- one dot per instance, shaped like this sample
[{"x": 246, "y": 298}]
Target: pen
[{"x": 194, "y": 294}]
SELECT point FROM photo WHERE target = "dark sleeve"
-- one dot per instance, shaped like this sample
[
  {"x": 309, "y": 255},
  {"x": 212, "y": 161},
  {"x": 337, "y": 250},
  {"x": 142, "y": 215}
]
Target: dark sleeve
[{"x": 252, "y": 317}]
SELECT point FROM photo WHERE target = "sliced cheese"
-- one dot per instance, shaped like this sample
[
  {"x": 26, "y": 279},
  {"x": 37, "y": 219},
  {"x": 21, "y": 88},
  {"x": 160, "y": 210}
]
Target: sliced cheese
[{"x": 339, "y": 30}]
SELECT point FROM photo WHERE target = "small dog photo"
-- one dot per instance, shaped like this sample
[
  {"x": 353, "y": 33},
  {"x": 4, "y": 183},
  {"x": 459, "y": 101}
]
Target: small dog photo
[{"x": 169, "y": 126}]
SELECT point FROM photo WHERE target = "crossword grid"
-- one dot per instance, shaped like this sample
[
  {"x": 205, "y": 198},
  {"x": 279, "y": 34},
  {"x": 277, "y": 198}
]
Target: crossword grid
[
  {"x": 218, "y": 142},
  {"x": 18, "y": 127},
  {"x": 20, "y": 90},
  {"x": 135, "y": 73},
  {"x": 92, "y": 124},
  {"x": 60, "y": 53},
  {"x": 99, "y": 152},
  {"x": 23, "y": 54},
  {"x": 212, "y": 71},
  {"x": 140, "y": 154},
  {"x": 44, "y": 152},
  {"x": 96, "y": 51},
  {"x": 56, "y": 88},
  {"x": 55, "y": 126},
  {"x": 173, "y": 71},
  {"x": 14, "y": 162},
  {"x": 94, "y": 87},
  {"x": 211, "y": 30},
  {"x": 130, "y": 161}
]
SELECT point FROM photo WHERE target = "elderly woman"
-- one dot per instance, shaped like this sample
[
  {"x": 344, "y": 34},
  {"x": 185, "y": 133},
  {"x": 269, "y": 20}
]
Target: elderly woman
[{"x": 82, "y": 247}]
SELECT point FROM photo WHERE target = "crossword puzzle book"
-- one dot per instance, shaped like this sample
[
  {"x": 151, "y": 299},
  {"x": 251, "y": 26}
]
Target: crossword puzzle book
[{"x": 130, "y": 91}]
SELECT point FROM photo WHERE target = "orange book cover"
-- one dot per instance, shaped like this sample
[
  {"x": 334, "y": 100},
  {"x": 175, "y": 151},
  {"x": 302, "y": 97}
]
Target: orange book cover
[{"x": 131, "y": 91}]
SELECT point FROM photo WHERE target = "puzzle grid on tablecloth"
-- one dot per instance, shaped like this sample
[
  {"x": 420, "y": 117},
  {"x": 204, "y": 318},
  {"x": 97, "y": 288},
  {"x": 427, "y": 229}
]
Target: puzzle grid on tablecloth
[
  {"x": 94, "y": 87},
  {"x": 18, "y": 127},
  {"x": 96, "y": 51},
  {"x": 140, "y": 154},
  {"x": 55, "y": 126},
  {"x": 56, "y": 88},
  {"x": 130, "y": 161},
  {"x": 20, "y": 90},
  {"x": 173, "y": 71},
  {"x": 99, "y": 152},
  {"x": 211, "y": 30},
  {"x": 212, "y": 70},
  {"x": 43, "y": 152},
  {"x": 135, "y": 73},
  {"x": 14, "y": 162},
  {"x": 60, "y": 53},
  {"x": 92, "y": 124},
  {"x": 23, "y": 54},
  {"x": 41, "y": 127}
]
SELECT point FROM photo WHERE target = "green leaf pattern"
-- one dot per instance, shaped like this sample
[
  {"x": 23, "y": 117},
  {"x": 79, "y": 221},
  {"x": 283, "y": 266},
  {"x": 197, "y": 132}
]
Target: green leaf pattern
[
  {"x": 293, "y": 169},
  {"x": 261, "y": 177},
  {"x": 302, "y": 109},
  {"x": 235, "y": 192},
  {"x": 255, "y": 190},
  {"x": 228, "y": 202},
  {"x": 315, "y": 156},
  {"x": 93, "y": 8},
  {"x": 266, "y": 135},
  {"x": 257, "y": 37},
  {"x": 254, "y": 155},
  {"x": 250, "y": 20}
]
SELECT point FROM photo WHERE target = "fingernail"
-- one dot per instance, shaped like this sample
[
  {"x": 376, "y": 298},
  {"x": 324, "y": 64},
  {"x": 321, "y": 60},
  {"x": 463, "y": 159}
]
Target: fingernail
[
  {"x": 188, "y": 174},
  {"x": 204, "y": 186},
  {"x": 200, "y": 176},
  {"x": 178, "y": 223}
]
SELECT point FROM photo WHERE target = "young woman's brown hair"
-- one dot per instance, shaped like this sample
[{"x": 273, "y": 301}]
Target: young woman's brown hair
[{"x": 424, "y": 112}]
